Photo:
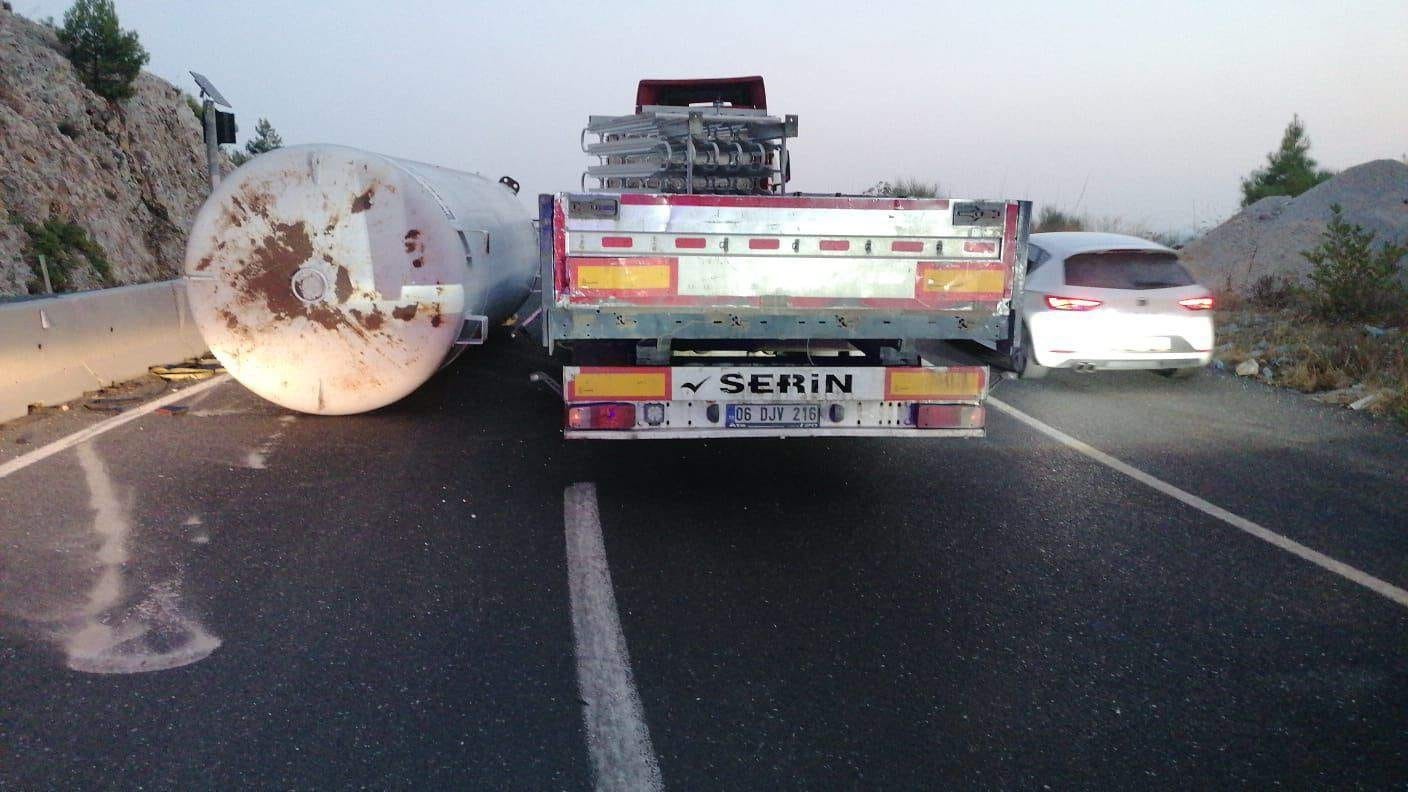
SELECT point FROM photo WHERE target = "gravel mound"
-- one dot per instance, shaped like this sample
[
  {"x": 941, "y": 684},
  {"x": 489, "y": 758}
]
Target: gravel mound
[{"x": 1267, "y": 237}]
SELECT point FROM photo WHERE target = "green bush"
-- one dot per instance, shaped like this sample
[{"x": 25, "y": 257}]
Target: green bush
[
  {"x": 66, "y": 248},
  {"x": 1352, "y": 279},
  {"x": 106, "y": 57}
]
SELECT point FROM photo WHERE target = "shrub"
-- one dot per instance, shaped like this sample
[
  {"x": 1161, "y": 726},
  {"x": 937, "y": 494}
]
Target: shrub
[
  {"x": 1274, "y": 292},
  {"x": 1352, "y": 279},
  {"x": 900, "y": 188},
  {"x": 1052, "y": 219},
  {"x": 65, "y": 247},
  {"x": 106, "y": 57}
]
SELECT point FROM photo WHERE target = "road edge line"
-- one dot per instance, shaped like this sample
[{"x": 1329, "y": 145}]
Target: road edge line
[
  {"x": 1381, "y": 587},
  {"x": 83, "y": 435},
  {"x": 618, "y": 738}
]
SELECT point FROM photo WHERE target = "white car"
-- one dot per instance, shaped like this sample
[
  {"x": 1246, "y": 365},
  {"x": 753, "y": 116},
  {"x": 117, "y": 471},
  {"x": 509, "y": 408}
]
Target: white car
[{"x": 1109, "y": 301}]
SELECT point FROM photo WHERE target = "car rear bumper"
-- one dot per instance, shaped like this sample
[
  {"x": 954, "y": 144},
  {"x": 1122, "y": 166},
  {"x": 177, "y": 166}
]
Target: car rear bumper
[
  {"x": 1144, "y": 361},
  {"x": 1114, "y": 341}
]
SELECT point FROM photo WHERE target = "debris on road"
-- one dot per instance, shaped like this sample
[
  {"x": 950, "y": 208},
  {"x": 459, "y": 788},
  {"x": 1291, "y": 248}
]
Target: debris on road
[
  {"x": 1248, "y": 368},
  {"x": 1366, "y": 401},
  {"x": 182, "y": 373}
]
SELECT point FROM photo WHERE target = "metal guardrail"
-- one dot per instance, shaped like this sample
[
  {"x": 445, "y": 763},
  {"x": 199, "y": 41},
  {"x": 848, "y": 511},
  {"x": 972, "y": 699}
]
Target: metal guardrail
[{"x": 52, "y": 349}]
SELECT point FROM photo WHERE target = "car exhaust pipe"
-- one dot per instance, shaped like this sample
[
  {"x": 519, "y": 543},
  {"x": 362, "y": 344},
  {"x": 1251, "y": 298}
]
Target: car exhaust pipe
[{"x": 1085, "y": 368}]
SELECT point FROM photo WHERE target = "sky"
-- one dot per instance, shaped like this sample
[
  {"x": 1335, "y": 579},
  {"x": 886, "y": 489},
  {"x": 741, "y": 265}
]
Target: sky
[{"x": 1151, "y": 115}]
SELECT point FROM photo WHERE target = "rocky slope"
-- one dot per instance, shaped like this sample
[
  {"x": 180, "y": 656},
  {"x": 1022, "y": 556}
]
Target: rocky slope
[
  {"x": 1267, "y": 237},
  {"x": 131, "y": 174}
]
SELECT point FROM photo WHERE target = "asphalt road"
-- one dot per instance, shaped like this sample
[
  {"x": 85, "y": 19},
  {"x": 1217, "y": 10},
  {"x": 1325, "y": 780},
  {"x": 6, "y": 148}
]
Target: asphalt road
[{"x": 383, "y": 600}]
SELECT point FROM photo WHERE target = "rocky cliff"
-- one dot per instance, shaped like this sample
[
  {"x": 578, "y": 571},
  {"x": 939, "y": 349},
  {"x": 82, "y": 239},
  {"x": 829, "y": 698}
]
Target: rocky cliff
[{"x": 129, "y": 174}]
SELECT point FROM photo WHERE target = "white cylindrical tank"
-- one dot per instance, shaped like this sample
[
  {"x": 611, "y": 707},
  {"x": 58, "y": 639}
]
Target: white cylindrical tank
[{"x": 331, "y": 280}]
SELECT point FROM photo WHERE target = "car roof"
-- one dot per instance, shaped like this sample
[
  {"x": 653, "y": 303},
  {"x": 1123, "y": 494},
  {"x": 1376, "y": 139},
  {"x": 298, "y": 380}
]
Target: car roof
[{"x": 1064, "y": 244}]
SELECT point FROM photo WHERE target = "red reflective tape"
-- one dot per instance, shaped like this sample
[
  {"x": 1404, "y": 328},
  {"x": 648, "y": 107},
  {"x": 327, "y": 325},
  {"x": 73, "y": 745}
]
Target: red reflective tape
[
  {"x": 559, "y": 247},
  {"x": 907, "y": 247},
  {"x": 690, "y": 242},
  {"x": 782, "y": 202},
  {"x": 835, "y": 244},
  {"x": 979, "y": 247},
  {"x": 764, "y": 244},
  {"x": 617, "y": 242}
]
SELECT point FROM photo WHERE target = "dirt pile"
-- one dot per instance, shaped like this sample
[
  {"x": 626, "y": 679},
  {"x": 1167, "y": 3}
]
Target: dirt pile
[
  {"x": 130, "y": 174},
  {"x": 1267, "y": 237}
]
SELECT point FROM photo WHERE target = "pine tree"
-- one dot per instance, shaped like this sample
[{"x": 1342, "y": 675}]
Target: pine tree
[
  {"x": 106, "y": 57},
  {"x": 265, "y": 139},
  {"x": 1289, "y": 170}
]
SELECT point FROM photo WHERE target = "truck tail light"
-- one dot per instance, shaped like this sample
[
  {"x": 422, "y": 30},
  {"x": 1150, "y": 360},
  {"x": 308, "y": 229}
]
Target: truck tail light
[
  {"x": 1071, "y": 303},
  {"x": 948, "y": 416},
  {"x": 601, "y": 416},
  {"x": 1197, "y": 303}
]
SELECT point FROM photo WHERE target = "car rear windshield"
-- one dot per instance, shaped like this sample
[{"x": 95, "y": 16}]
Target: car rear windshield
[{"x": 1126, "y": 269}]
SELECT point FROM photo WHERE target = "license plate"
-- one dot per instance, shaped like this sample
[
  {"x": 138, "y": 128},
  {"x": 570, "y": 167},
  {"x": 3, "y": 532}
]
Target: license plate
[
  {"x": 1151, "y": 344},
  {"x": 788, "y": 416}
]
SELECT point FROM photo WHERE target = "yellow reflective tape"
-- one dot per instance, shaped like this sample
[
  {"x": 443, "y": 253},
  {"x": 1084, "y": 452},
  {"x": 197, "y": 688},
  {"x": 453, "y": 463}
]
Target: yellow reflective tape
[
  {"x": 621, "y": 385},
  {"x": 934, "y": 383},
  {"x": 623, "y": 276},
  {"x": 964, "y": 281}
]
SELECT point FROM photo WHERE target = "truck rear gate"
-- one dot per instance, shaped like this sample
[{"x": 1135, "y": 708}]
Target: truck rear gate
[
  {"x": 652, "y": 266},
  {"x": 665, "y": 280}
]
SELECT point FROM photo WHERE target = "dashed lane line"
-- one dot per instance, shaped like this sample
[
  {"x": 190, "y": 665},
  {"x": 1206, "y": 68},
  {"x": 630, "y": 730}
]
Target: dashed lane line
[
  {"x": 1380, "y": 587},
  {"x": 618, "y": 739},
  {"x": 107, "y": 425}
]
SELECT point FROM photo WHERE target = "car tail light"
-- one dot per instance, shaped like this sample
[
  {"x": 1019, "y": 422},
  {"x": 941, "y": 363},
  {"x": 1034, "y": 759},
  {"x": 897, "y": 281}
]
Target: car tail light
[
  {"x": 1071, "y": 303},
  {"x": 601, "y": 416},
  {"x": 1197, "y": 303},
  {"x": 948, "y": 416}
]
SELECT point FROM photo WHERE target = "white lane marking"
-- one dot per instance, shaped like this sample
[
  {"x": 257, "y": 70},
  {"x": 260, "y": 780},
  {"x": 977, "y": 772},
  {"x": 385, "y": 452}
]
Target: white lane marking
[
  {"x": 1380, "y": 587},
  {"x": 617, "y": 737},
  {"x": 107, "y": 425}
]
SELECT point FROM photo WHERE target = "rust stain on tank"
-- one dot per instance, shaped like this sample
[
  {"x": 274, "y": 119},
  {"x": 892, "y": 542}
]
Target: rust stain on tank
[
  {"x": 411, "y": 240},
  {"x": 342, "y": 287},
  {"x": 204, "y": 264},
  {"x": 372, "y": 321},
  {"x": 231, "y": 321},
  {"x": 404, "y": 312},
  {"x": 325, "y": 315},
  {"x": 272, "y": 265},
  {"x": 363, "y": 202},
  {"x": 418, "y": 262},
  {"x": 332, "y": 225}
]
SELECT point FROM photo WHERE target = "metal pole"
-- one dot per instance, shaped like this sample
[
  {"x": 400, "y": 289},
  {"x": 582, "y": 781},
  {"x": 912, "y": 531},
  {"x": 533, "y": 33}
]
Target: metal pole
[
  {"x": 212, "y": 148},
  {"x": 44, "y": 270}
]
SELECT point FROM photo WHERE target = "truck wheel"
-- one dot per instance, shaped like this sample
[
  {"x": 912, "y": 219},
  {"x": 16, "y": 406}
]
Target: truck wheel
[{"x": 1023, "y": 362}]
